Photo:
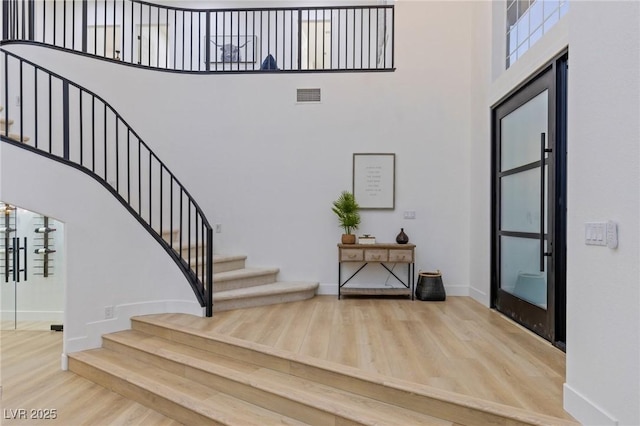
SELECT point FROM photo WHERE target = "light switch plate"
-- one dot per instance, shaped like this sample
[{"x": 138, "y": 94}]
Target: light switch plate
[
  {"x": 612, "y": 234},
  {"x": 595, "y": 233}
]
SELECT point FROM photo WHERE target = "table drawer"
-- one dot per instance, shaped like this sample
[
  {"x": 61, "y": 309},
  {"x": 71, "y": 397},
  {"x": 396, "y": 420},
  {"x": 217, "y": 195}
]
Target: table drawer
[
  {"x": 400, "y": 256},
  {"x": 375, "y": 255},
  {"x": 351, "y": 255}
]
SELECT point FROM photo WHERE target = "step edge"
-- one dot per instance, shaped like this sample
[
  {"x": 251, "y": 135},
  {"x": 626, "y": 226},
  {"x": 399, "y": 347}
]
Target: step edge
[
  {"x": 266, "y": 290},
  {"x": 328, "y": 403},
  {"x": 423, "y": 391},
  {"x": 239, "y": 274},
  {"x": 184, "y": 400}
]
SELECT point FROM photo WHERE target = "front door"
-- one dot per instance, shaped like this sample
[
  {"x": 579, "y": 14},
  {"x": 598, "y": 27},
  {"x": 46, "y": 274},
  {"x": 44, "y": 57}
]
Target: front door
[{"x": 529, "y": 208}]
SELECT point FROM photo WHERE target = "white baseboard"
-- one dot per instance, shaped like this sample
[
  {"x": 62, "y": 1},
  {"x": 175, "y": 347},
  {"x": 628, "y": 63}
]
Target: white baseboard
[
  {"x": 54, "y": 317},
  {"x": 325, "y": 289},
  {"x": 480, "y": 296},
  {"x": 122, "y": 321},
  {"x": 584, "y": 410}
]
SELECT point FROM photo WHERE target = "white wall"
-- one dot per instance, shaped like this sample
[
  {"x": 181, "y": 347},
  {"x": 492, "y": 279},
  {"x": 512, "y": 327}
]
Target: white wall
[
  {"x": 111, "y": 259},
  {"x": 603, "y": 299},
  {"x": 480, "y": 155},
  {"x": 268, "y": 169},
  {"x": 603, "y": 291}
]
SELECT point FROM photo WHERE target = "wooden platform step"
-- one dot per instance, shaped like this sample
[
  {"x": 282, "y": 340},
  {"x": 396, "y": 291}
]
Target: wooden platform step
[
  {"x": 175, "y": 396},
  {"x": 327, "y": 378},
  {"x": 291, "y": 396}
]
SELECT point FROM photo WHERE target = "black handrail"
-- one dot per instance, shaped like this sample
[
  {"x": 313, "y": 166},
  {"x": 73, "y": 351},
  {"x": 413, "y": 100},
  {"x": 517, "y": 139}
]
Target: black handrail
[
  {"x": 302, "y": 39},
  {"x": 65, "y": 122}
]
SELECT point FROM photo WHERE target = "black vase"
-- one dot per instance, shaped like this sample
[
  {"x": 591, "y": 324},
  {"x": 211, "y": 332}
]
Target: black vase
[{"x": 402, "y": 238}]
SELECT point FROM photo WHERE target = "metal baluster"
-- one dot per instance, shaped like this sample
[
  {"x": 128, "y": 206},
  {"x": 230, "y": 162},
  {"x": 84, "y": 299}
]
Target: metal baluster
[
  {"x": 117, "y": 156},
  {"x": 129, "y": 166},
  {"x": 35, "y": 106}
]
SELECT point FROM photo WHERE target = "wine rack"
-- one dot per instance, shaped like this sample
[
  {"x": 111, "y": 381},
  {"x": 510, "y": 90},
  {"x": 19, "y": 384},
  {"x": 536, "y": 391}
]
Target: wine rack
[
  {"x": 7, "y": 228},
  {"x": 43, "y": 243},
  {"x": 11, "y": 248}
]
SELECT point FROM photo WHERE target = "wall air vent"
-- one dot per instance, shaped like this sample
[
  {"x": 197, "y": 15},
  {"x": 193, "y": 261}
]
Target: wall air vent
[{"x": 308, "y": 95}]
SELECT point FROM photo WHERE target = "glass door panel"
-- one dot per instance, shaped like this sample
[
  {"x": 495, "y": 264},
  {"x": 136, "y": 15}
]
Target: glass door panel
[
  {"x": 520, "y": 133},
  {"x": 8, "y": 227},
  {"x": 523, "y": 220},
  {"x": 32, "y": 289},
  {"x": 520, "y": 270},
  {"x": 520, "y": 201}
]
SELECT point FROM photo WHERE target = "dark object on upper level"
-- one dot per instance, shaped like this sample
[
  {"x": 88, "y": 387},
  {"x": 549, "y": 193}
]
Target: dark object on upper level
[{"x": 269, "y": 63}]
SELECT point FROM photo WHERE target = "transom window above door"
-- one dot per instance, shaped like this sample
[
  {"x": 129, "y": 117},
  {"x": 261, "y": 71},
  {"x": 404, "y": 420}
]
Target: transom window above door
[{"x": 527, "y": 21}]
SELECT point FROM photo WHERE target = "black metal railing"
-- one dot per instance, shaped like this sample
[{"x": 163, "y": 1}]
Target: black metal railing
[
  {"x": 345, "y": 38},
  {"x": 68, "y": 123}
]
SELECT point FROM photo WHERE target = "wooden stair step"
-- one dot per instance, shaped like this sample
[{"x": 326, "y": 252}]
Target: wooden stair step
[
  {"x": 451, "y": 406},
  {"x": 177, "y": 397},
  {"x": 289, "y": 395}
]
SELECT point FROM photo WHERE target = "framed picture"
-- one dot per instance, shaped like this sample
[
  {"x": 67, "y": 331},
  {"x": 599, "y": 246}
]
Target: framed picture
[
  {"x": 374, "y": 180},
  {"x": 233, "y": 49}
]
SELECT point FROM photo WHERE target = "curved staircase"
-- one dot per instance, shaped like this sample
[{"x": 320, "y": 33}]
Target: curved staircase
[{"x": 235, "y": 286}]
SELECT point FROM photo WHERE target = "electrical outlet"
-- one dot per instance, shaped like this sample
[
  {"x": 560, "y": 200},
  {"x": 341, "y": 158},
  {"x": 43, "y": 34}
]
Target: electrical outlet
[
  {"x": 218, "y": 228},
  {"x": 108, "y": 312}
]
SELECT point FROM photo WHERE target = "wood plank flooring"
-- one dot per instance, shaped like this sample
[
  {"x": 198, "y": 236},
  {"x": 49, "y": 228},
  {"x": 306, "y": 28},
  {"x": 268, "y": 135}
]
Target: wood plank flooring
[
  {"x": 457, "y": 345},
  {"x": 31, "y": 379}
]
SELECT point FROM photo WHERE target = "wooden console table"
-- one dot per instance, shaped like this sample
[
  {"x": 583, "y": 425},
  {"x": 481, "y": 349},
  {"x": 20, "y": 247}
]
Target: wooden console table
[{"x": 380, "y": 254}]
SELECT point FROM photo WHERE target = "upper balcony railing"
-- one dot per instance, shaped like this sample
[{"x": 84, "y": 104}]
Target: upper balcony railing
[{"x": 303, "y": 39}]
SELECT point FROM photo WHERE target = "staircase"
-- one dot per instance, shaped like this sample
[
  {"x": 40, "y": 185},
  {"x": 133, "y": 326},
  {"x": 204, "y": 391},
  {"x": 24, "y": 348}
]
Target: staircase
[
  {"x": 6, "y": 125},
  {"x": 171, "y": 364},
  {"x": 236, "y": 286}
]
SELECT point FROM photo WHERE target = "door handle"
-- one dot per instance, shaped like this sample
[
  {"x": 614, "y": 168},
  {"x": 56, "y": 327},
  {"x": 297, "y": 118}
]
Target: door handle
[
  {"x": 543, "y": 151},
  {"x": 25, "y": 258},
  {"x": 6, "y": 259},
  {"x": 16, "y": 259}
]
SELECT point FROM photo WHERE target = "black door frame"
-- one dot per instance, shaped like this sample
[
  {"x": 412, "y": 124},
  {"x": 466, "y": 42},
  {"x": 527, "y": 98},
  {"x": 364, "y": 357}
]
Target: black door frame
[{"x": 549, "y": 323}]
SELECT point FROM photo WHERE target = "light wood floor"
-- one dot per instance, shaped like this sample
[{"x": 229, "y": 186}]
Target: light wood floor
[{"x": 457, "y": 345}]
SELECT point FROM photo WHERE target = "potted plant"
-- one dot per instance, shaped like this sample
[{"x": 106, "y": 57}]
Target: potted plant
[{"x": 348, "y": 212}]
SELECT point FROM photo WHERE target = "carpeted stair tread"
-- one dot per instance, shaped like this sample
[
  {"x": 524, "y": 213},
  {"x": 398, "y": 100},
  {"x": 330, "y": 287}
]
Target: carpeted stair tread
[
  {"x": 243, "y": 274},
  {"x": 265, "y": 290}
]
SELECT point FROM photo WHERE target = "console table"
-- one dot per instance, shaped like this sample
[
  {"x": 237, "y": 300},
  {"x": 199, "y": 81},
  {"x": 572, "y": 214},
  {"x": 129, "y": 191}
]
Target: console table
[{"x": 381, "y": 254}]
